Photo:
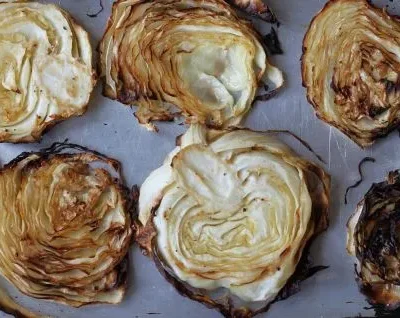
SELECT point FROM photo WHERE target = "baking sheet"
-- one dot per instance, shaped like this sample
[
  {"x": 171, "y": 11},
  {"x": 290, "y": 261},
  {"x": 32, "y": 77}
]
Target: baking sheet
[{"x": 111, "y": 128}]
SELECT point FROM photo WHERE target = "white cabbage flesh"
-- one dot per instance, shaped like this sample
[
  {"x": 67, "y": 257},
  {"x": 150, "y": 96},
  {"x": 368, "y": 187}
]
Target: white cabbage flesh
[
  {"x": 46, "y": 70},
  {"x": 196, "y": 55},
  {"x": 231, "y": 209}
]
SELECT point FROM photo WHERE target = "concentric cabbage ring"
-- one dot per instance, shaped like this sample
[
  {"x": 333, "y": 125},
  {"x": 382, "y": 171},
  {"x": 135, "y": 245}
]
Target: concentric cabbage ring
[
  {"x": 46, "y": 70},
  {"x": 65, "y": 226},
  {"x": 374, "y": 239},
  {"x": 231, "y": 209},
  {"x": 351, "y": 67},
  {"x": 197, "y": 56}
]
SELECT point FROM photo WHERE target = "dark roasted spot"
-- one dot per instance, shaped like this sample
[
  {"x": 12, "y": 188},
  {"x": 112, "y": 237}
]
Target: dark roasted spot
[{"x": 272, "y": 42}]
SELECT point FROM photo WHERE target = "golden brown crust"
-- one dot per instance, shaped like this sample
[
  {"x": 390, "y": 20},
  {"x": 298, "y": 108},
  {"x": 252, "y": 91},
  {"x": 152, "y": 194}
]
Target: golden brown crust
[
  {"x": 255, "y": 7},
  {"x": 89, "y": 229},
  {"x": 42, "y": 95},
  {"x": 169, "y": 38},
  {"x": 359, "y": 94},
  {"x": 145, "y": 235}
]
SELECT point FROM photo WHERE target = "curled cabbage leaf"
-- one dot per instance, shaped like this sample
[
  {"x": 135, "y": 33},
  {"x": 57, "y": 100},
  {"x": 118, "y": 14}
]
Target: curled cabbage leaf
[
  {"x": 66, "y": 226},
  {"x": 373, "y": 239},
  {"x": 351, "y": 67},
  {"x": 256, "y": 8},
  {"x": 46, "y": 70},
  {"x": 231, "y": 209},
  {"x": 190, "y": 57}
]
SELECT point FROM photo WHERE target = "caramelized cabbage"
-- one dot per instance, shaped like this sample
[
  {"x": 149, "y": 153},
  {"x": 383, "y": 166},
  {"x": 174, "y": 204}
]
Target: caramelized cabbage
[
  {"x": 351, "y": 67},
  {"x": 46, "y": 70},
  {"x": 190, "y": 57},
  {"x": 65, "y": 227},
  {"x": 373, "y": 239},
  {"x": 232, "y": 209},
  {"x": 256, "y": 8}
]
